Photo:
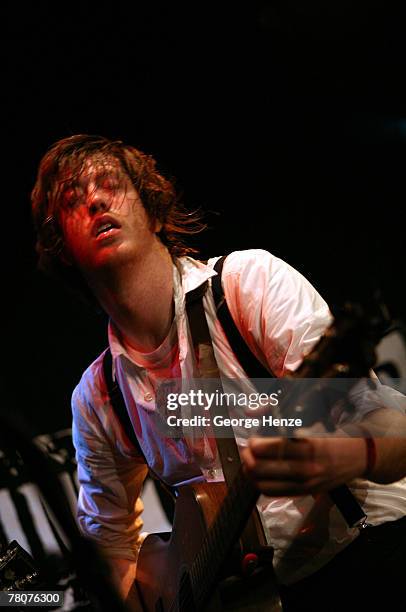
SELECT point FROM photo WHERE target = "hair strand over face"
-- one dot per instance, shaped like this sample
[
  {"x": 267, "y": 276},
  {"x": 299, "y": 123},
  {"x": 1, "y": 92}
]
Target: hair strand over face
[{"x": 65, "y": 161}]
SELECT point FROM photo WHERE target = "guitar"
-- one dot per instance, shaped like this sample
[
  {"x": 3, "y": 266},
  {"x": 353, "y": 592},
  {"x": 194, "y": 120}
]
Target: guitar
[{"x": 186, "y": 569}]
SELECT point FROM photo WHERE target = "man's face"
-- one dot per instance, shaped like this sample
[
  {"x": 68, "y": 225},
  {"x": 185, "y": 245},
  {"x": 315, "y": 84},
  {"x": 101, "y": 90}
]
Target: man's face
[{"x": 102, "y": 217}]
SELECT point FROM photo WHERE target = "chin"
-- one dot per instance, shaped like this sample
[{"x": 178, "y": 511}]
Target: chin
[{"x": 115, "y": 256}]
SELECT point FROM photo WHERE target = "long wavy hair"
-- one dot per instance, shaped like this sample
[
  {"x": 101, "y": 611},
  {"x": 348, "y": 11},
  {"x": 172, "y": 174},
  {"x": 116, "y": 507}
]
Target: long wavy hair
[{"x": 63, "y": 164}]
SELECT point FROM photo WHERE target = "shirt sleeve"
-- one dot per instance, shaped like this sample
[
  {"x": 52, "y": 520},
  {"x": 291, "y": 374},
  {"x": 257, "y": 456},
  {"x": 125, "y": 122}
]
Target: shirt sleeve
[
  {"x": 282, "y": 316},
  {"x": 279, "y": 313},
  {"x": 110, "y": 473},
  {"x": 368, "y": 395}
]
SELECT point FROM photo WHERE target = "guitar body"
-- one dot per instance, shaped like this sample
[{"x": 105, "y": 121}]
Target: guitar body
[{"x": 162, "y": 569}]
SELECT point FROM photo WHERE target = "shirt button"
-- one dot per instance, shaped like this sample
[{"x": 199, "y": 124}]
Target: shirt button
[{"x": 148, "y": 397}]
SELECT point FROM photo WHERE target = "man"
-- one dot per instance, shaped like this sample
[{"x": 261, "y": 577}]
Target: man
[{"x": 109, "y": 222}]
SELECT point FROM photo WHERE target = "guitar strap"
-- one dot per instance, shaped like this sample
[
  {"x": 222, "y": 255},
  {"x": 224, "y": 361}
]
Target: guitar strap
[
  {"x": 227, "y": 447},
  {"x": 121, "y": 412},
  {"x": 252, "y": 539},
  {"x": 118, "y": 403},
  {"x": 249, "y": 363}
]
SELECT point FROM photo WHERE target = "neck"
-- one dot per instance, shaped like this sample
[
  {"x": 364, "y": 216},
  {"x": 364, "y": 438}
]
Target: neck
[{"x": 138, "y": 297}]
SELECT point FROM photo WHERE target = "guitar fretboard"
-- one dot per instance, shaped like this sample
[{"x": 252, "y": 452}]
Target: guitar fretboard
[{"x": 221, "y": 537}]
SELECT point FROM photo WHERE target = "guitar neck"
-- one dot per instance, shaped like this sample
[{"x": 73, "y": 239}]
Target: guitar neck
[{"x": 221, "y": 537}]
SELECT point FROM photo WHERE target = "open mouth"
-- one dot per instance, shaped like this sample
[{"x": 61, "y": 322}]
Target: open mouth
[{"x": 105, "y": 226}]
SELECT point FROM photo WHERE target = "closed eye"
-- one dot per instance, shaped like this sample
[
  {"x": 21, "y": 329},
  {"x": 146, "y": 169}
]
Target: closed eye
[{"x": 109, "y": 184}]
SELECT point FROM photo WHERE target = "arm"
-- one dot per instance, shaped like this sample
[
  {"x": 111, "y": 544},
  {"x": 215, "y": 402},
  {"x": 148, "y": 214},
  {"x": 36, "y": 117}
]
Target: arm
[
  {"x": 311, "y": 465},
  {"x": 387, "y": 428},
  {"x": 124, "y": 572},
  {"x": 111, "y": 477},
  {"x": 277, "y": 311},
  {"x": 281, "y": 317}
]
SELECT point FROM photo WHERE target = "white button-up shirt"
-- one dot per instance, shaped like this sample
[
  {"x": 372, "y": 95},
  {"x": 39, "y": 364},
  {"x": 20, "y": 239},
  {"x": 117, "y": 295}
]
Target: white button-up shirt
[{"x": 281, "y": 316}]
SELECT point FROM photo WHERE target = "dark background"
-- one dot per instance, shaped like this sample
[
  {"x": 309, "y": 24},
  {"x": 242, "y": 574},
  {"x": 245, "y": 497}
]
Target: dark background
[{"x": 285, "y": 121}]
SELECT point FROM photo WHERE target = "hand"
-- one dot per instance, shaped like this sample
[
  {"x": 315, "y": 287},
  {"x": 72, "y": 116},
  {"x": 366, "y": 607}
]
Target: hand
[
  {"x": 302, "y": 466},
  {"x": 124, "y": 572}
]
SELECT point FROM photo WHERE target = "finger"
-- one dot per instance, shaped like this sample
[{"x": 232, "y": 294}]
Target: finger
[
  {"x": 278, "y": 448},
  {"x": 292, "y": 470}
]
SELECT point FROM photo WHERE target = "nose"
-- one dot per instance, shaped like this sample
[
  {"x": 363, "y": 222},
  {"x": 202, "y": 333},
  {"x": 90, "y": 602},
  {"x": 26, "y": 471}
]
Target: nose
[{"x": 97, "y": 202}]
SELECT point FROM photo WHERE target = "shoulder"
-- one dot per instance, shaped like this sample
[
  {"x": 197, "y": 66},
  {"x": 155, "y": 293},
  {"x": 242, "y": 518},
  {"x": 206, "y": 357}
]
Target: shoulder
[
  {"x": 240, "y": 261},
  {"x": 250, "y": 271},
  {"x": 277, "y": 310},
  {"x": 257, "y": 263}
]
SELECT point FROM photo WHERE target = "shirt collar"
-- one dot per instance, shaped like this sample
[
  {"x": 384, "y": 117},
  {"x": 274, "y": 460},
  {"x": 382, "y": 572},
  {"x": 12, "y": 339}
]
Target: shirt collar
[
  {"x": 188, "y": 274},
  {"x": 193, "y": 273}
]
